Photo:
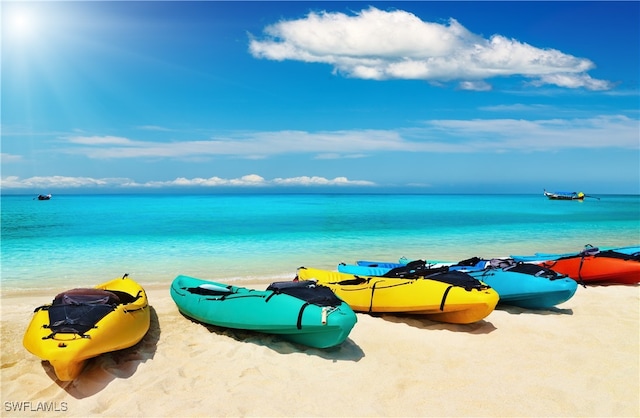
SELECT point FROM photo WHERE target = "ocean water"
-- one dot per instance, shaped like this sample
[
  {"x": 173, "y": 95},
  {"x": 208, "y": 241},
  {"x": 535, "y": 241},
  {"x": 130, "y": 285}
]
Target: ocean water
[{"x": 83, "y": 240}]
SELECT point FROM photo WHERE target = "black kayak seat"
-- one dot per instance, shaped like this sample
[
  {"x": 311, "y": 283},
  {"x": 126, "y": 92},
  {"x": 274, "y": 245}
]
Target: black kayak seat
[
  {"x": 76, "y": 311},
  {"x": 88, "y": 296}
]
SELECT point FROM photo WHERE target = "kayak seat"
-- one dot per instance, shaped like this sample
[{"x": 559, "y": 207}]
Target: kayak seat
[
  {"x": 86, "y": 296},
  {"x": 306, "y": 290},
  {"x": 208, "y": 291},
  {"x": 413, "y": 270},
  {"x": 458, "y": 278},
  {"x": 76, "y": 311}
]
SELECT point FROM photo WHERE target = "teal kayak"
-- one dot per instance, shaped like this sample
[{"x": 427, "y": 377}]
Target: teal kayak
[
  {"x": 302, "y": 312},
  {"x": 518, "y": 284}
]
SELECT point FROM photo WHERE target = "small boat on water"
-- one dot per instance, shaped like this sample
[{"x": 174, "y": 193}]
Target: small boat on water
[
  {"x": 452, "y": 297},
  {"x": 44, "y": 197},
  {"x": 83, "y": 323},
  {"x": 592, "y": 265},
  {"x": 518, "y": 284},
  {"x": 564, "y": 195},
  {"x": 302, "y": 312}
]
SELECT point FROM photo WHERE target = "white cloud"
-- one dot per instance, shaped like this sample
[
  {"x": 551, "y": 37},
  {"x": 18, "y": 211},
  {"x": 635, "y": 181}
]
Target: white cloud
[
  {"x": 249, "y": 145},
  {"x": 518, "y": 107},
  {"x": 6, "y": 158},
  {"x": 451, "y": 136},
  {"x": 475, "y": 85},
  {"x": 539, "y": 135},
  {"x": 154, "y": 128},
  {"x": 251, "y": 180},
  {"x": 573, "y": 81},
  {"x": 320, "y": 181},
  {"x": 338, "y": 156},
  {"x": 248, "y": 180},
  {"x": 100, "y": 140},
  {"x": 63, "y": 182},
  {"x": 377, "y": 44}
]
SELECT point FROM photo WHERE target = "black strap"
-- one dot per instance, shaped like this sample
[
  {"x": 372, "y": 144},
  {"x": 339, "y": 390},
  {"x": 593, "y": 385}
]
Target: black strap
[
  {"x": 580, "y": 272},
  {"x": 53, "y": 334},
  {"x": 137, "y": 309},
  {"x": 373, "y": 289},
  {"x": 444, "y": 297},
  {"x": 302, "y": 308}
]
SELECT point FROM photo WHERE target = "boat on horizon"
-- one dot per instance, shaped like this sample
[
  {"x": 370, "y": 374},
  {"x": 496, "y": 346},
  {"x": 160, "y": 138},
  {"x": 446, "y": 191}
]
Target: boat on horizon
[
  {"x": 564, "y": 195},
  {"x": 44, "y": 196}
]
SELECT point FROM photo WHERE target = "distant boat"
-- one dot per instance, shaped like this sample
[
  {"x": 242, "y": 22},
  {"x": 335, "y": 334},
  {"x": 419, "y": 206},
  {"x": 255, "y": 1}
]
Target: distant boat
[
  {"x": 564, "y": 195},
  {"x": 44, "y": 196}
]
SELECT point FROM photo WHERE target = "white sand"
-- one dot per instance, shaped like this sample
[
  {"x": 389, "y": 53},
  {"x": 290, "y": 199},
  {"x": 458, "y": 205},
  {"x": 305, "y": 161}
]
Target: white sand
[{"x": 581, "y": 359}]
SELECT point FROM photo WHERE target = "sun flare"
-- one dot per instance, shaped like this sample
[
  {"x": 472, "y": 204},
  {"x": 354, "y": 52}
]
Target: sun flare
[{"x": 22, "y": 25}]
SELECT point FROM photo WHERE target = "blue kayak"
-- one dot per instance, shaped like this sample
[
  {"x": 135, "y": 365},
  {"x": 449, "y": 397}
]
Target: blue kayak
[
  {"x": 518, "y": 284},
  {"x": 631, "y": 250},
  {"x": 539, "y": 257}
]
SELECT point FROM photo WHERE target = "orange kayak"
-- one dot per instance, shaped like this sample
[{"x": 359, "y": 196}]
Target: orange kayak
[{"x": 600, "y": 268}]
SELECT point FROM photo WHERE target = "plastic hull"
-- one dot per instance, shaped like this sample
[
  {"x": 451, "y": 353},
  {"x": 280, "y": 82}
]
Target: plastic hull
[
  {"x": 516, "y": 289},
  {"x": 539, "y": 257},
  {"x": 67, "y": 353},
  {"x": 264, "y": 311},
  {"x": 597, "y": 269},
  {"x": 527, "y": 291},
  {"x": 438, "y": 301}
]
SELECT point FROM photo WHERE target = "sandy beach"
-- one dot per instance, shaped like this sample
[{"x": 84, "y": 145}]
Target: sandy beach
[{"x": 580, "y": 359}]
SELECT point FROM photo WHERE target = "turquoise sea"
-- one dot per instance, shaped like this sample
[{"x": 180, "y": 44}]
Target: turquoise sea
[{"x": 82, "y": 240}]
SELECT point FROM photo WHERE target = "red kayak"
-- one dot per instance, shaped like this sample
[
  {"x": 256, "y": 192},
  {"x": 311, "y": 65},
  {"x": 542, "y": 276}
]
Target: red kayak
[{"x": 601, "y": 267}]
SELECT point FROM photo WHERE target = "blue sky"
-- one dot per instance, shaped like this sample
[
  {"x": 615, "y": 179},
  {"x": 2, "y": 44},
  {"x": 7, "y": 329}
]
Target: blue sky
[{"x": 424, "y": 97}]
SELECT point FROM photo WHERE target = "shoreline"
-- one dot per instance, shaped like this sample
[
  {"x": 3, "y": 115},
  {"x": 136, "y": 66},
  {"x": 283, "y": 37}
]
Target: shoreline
[
  {"x": 151, "y": 272},
  {"x": 579, "y": 359}
]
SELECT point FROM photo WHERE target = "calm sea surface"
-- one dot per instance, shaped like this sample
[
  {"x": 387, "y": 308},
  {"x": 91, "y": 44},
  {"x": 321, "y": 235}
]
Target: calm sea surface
[{"x": 84, "y": 240}]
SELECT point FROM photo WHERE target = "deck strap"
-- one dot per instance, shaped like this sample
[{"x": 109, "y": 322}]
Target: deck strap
[
  {"x": 302, "y": 308},
  {"x": 444, "y": 297}
]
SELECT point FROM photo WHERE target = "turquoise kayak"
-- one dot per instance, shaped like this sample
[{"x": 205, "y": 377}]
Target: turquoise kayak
[
  {"x": 518, "y": 284},
  {"x": 302, "y": 312}
]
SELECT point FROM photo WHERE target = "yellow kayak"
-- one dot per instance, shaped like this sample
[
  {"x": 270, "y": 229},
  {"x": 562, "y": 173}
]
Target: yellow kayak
[
  {"x": 439, "y": 298},
  {"x": 83, "y": 323}
]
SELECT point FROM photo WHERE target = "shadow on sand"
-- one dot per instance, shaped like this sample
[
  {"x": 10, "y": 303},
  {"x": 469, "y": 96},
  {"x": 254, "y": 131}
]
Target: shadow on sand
[
  {"x": 480, "y": 327},
  {"x": 516, "y": 310},
  {"x": 419, "y": 321},
  {"x": 121, "y": 364},
  {"x": 347, "y": 351}
]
